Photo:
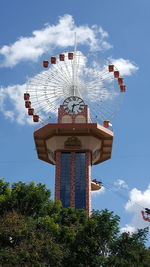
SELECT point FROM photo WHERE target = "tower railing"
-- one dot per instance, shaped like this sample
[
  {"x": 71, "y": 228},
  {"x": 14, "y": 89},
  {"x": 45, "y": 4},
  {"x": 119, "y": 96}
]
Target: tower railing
[{"x": 54, "y": 120}]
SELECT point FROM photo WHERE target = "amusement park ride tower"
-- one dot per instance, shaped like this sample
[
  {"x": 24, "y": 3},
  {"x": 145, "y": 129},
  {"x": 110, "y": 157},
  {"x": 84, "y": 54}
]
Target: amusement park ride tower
[{"x": 73, "y": 143}]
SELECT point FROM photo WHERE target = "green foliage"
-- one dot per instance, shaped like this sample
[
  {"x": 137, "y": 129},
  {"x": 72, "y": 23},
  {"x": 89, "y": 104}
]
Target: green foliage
[
  {"x": 35, "y": 231},
  {"x": 129, "y": 250},
  {"x": 93, "y": 239},
  {"x": 24, "y": 243},
  {"x": 26, "y": 198}
]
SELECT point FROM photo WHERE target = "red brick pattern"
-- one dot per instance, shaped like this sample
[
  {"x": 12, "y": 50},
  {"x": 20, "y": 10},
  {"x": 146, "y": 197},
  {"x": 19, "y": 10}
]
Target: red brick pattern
[
  {"x": 57, "y": 175},
  {"x": 72, "y": 181},
  {"x": 88, "y": 182},
  {"x": 62, "y": 112}
]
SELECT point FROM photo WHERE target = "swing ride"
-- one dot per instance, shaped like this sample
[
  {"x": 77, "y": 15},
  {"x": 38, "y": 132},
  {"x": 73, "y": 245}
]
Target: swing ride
[
  {"x": 72, "y": 73},
  {"x": 99, "y": 184}
]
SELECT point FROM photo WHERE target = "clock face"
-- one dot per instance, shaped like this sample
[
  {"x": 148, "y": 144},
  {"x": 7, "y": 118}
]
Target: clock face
[{"x": 73, "y": 105}]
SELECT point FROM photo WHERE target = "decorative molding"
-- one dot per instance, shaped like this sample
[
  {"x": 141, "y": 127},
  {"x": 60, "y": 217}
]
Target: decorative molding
[{"x": 72, "y": 142}]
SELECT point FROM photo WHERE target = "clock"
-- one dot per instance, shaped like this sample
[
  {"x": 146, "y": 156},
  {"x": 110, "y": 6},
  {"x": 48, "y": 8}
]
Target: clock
[{"x": 73, "y": 105}]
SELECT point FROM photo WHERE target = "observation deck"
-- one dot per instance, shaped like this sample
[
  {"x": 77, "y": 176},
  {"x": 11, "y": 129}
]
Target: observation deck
[{"x": 91, "y": 136}]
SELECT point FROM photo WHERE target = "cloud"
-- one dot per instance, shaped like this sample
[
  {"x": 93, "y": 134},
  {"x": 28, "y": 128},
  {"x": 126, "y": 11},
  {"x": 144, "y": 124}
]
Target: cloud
[
  {"x": 128, "y": 229},
  {"x": 138, "y": 201},
  {"x": 47, "y": 100},
  {"x": 138, "y": 197},
  {"x": 48, "y": 38},
  {"x": 121, "y": 184},
  {"x": 12, "y": 104},
  {"x": 125, "y": 66}
]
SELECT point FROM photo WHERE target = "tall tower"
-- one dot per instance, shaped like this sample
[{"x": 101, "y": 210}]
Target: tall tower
[
  {"x": 77, "y": 93},
  {"x": 74, "y": 144}
]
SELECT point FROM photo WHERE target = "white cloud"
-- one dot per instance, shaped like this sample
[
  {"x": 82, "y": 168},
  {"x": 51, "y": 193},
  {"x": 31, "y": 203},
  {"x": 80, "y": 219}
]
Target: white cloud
[
  {"x": 12, "y": 104},
  {"x": 121, "y": 184},
  {"x": 49, "y": 39},
  {"x": 11, "y": 97},
  {"x": 138, "y": 197},
  {"x": 125, "y": 66},
  {"x": 51, "y": 36},
  {"x": 128, "y": 229},
  {"x": 138, "y": 200}
]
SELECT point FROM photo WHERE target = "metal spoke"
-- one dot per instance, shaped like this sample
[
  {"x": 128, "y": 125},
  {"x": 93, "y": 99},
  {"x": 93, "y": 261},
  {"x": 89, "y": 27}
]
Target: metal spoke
[{"x": 96, "y": 85}]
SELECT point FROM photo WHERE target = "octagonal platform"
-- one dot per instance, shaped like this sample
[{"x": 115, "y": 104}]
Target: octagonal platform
[{"x": 91, "y": 136}]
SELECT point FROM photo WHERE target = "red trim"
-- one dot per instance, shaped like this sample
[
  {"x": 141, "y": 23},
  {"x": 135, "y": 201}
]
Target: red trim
[{"x": 71, "y": 126}]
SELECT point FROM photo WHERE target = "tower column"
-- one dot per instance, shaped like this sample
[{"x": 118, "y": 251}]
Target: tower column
[
  {"x": 57, "y": 176},
  {"x": 72, "y": 180},
  {"x": 88, "y": 182}
]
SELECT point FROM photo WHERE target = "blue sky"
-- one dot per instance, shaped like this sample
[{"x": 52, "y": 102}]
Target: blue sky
[{"x": 125, "y": 27}]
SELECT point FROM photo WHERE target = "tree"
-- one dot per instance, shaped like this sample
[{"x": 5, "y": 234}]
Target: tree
[
  {"x": 35, "y": 231},
  {"x": 129, "y": 250},
  {"x": 25, "y": 242},
  {"x": 26, "y": 198}
]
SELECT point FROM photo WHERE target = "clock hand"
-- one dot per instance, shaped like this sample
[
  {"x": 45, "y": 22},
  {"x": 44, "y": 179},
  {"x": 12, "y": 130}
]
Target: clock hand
[{"x": 73, "y": 107}]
